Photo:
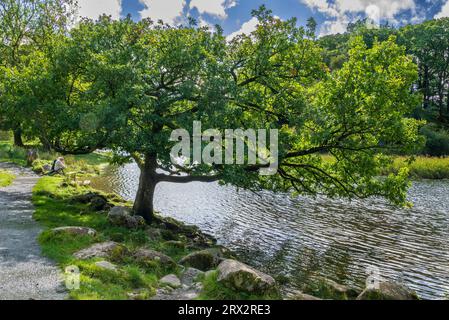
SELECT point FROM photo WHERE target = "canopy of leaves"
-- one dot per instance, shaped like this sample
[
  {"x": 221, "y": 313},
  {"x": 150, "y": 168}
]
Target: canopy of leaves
[{"x": 126, "y": 85}]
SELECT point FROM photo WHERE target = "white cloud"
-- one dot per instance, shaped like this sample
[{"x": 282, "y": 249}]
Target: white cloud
[
  {"x": 246, "y": 28},
  {"x": 166, "y": 10},
  {"x": 444, "y": 11},
  {"x": 213, "y": 7},
  {"x": 341, "y": 12},
  {"x": 95, "y": 8}
]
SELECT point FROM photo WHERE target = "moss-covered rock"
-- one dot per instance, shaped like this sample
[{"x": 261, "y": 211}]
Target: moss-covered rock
[
  {"x": 109, "y": 249},
  {"x": 147, "y": 256},
  {"x": 121, "y": 217}
]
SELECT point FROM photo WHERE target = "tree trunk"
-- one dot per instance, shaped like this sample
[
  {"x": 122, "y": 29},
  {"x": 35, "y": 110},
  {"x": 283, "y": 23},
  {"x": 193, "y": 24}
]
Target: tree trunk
[
  {"x": 18, "y": 142},
  {"x": 426, "y": 87},
  {"x": 45, "y": 144},
  {"x": 143, "y": 204},
  {"x": 447, "y": 102}
]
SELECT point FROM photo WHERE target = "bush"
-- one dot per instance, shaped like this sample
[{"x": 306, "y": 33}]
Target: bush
[{"x": 437, "y": 141}]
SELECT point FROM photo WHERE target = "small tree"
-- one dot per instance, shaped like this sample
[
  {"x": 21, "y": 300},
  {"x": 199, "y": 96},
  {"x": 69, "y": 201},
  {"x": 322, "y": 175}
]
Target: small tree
[
  {"x": 26, "y": 26},
  {"x": 137, "y": 82}
]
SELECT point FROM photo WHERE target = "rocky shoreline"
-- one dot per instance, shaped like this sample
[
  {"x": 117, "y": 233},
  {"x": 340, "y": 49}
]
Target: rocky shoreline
[{"x": 207, "y": 262}]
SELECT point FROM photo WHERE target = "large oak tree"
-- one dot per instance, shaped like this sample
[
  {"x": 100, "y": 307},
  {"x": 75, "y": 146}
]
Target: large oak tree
[{"x": 126, "y": 86}]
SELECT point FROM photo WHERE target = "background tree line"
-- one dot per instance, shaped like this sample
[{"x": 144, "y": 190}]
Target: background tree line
[{"x": 428, "y": 43}]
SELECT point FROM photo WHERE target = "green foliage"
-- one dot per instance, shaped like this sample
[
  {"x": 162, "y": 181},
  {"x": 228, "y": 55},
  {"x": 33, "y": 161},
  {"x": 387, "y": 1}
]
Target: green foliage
[
  {"x": 6, "y": 178},
  {"x": 437, "y": 141},
  {"x": 10, "y": 153}
]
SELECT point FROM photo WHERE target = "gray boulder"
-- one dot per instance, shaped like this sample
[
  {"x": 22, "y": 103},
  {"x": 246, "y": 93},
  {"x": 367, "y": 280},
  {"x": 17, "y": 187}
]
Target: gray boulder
[
  {"x": 388, "y": 291},
  {"x": 102, "y": 250},
  {"x": 236, "y": 275},
  {"x": 171, "y": 280},
  {"x": 121, "y": 216},
  {"x": 81, "y": 231},
  {"x": 148, "y": 256}
]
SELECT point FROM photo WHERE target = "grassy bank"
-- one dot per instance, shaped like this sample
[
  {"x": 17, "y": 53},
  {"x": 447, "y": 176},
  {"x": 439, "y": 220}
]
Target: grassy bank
[
  {"x": 6, "y": 178},
  {"x": 422, "y": 167},
  {"x": 79, "y": 164},
  {"x": 56, "y": 207}
]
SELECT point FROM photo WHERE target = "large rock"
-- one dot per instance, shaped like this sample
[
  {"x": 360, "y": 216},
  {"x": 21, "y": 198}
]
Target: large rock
[
  {"x": 121, "y": 216},
  {"x": 148, "y": 256},
  {"x": 102, "y": 250},
  {"x": 171, "y": 280},
  {"x": 203, "y": 260},
  {"x": 239, "y": 276},
  {"x": 388, "y": 291},
  {"x": 80, "y": 231}
]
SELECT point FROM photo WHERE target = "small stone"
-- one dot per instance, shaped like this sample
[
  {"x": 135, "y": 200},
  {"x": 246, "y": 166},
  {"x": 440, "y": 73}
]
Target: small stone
[
  {"x": 190, "y": 276},
  {"x": 298, "y": 295},
  {"x": 83, "y": 231},
  {"x": 106, "y": 265},
  {"x": 171, "y": 280},
  {"x": 388, "y": 291},
  {"x": 101, "y": 250}
]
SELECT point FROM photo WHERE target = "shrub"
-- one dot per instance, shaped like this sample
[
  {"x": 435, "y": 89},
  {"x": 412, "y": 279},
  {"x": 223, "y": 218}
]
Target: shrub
[{"x": 437, "y": 141}]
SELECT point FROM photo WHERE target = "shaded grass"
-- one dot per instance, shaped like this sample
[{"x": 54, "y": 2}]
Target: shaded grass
[{"x": 6, "y": 178}]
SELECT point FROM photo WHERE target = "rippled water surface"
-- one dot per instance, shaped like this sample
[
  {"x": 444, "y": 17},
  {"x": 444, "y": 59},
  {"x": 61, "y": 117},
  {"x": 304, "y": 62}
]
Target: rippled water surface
[{"x": 336, "y": 238}]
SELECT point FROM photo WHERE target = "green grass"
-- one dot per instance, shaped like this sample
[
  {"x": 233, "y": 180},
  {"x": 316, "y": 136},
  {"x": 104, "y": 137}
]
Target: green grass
[
  {"x": 9, "y": 153},
  {"x": 6, "y": 178},
  {"x": 54, "y": 208},
  {"x": 423, "y": 167},
  {"x": 80, "y": 165}
]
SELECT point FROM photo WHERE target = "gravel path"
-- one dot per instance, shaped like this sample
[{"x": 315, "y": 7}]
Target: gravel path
[{"x": 24, "y": 273}]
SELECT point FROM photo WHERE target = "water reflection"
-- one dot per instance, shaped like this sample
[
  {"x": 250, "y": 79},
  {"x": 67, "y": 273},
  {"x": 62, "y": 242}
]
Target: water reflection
[{"x": 336, "y": 238}]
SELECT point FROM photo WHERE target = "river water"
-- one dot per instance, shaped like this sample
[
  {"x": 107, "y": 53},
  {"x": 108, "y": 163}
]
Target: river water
[{"x": 295, "y": 237}]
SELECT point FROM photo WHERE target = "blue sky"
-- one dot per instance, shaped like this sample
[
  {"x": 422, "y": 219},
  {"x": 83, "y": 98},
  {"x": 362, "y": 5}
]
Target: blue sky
[{"x": 235, "y": 15}]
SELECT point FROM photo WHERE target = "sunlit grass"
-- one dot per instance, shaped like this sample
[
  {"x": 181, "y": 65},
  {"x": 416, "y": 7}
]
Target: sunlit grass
[
  {"x": 6, "y": 178},
  {"x": 420, "y": 168}
]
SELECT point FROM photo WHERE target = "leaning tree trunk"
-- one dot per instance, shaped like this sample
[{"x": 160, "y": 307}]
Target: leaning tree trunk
[
  {"x": 45, "y": 144},
  {"x": 18, "y": 141},
  {"x": 143, "y": 204}
]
